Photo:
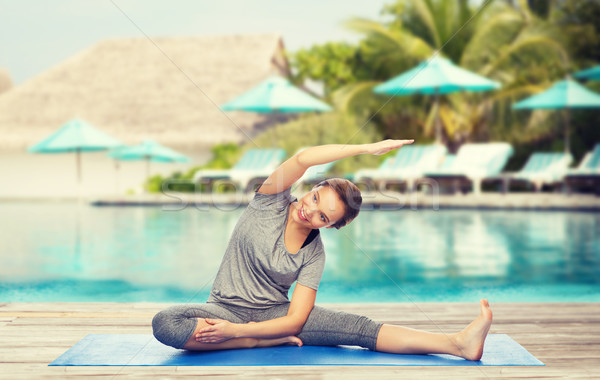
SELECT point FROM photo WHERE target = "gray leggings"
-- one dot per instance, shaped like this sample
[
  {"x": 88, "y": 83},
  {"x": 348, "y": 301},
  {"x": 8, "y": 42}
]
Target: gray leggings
[{"x": 176, "y": 324}]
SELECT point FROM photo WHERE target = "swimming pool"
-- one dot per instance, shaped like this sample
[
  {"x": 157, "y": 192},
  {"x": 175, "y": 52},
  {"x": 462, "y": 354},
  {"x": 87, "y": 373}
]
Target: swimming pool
[{"x": 59, "y": 251}]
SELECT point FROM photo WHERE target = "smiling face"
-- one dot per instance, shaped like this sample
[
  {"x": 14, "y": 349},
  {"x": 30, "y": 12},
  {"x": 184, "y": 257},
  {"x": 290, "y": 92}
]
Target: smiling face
[{"x": 321, "y": 207}]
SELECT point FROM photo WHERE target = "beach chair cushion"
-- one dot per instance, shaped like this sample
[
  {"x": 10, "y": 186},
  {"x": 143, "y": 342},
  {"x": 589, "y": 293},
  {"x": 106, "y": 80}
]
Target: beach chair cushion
[
  {"x": 477, "y": 161},
  {"x": 545, "y": 167},
  {"x": 594, "y": 163},
  {"x": 589, "y": 165},
  {"x": 316, "y": 172},
  {"x": 584, "y": 161},
  {"x": 255, "y": 163},
  {"x": 259, "y": 160},
  {"x": 373, "y": 172},
  {"x": 410, "y": 162}
]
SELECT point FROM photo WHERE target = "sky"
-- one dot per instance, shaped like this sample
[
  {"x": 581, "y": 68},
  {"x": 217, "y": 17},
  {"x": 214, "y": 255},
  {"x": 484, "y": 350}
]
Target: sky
[{"x": 38, "y": 34}]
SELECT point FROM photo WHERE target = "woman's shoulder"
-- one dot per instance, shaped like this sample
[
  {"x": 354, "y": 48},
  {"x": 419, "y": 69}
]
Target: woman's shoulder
[{"x": 277, "y": 201}]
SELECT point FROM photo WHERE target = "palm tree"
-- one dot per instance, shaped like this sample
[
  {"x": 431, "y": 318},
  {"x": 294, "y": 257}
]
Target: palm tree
[{"x": 501, "y": 41}]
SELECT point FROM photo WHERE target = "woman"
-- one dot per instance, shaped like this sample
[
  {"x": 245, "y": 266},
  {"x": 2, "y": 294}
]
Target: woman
[{"x": 275, "y": 243}]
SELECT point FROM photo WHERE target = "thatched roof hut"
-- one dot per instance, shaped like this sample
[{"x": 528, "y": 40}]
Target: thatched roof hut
[
  {"x": 167, "y": 89},
  {"x": 6, "y": 82}
]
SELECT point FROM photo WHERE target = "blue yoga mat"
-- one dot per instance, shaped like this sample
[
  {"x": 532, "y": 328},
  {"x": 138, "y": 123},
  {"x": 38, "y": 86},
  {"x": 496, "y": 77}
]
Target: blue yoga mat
[{"x": 144, "y": 350}]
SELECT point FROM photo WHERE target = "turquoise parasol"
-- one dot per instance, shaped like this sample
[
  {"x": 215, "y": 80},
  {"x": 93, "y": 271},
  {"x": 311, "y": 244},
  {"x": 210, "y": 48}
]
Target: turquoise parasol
[
  {"x": 436, "y": 76},
  {"x": 276, "y": 95},
  {"x": 76, "y": 136},
  {"x": 565, "y": 94},
  {"x": 149, "y": 151},
  {"x": 591, "y": 73}
]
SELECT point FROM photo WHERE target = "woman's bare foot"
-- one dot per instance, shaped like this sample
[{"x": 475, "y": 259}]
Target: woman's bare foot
[
  {"x": 470, "y": 340},
  {"x": 288, "y": 340}
]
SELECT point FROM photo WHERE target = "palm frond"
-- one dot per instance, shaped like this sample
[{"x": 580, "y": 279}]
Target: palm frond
[
  {"x": 345, "y": 96},
  {"x": 489, "y": 37},
  {"x": 370, "y": 27},
  {"x": 539, "y": 42},
  {"x": 399, "y": 41},
  {"x": 425, "y": 11}
]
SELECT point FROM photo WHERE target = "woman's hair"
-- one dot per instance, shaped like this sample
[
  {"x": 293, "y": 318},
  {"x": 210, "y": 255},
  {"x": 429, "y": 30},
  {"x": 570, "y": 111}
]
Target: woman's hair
[{"x": 349, "y": 194}]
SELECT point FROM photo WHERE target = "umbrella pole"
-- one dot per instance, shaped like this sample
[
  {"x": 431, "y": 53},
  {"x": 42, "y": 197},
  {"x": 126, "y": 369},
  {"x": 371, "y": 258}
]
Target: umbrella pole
[
  {"x": 77, "y": 248},
  {"x": 438, "y": 127},
  {"x": 274, "y": 130},
  {"x": 567, "y": 137},
  {"x": 147, "y": 173},
  {"x": 78, "y": 158},
  {"x": 117, "y": 177}
]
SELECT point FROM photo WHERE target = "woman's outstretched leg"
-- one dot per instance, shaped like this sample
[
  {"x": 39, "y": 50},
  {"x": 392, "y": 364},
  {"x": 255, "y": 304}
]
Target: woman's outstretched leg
[
  {"x": 467, "y": 344},
  {"x": 325, "y": 327}
]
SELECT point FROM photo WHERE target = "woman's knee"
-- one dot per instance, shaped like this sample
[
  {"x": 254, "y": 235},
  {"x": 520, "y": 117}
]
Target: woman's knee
[
  {"x": 161, "y": 325},
  {"x": 328, "y": 327},
  {"x": 172, "y": 327}
]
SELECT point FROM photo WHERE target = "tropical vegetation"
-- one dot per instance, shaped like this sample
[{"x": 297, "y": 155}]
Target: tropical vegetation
[{"x": 525, "y": 45}]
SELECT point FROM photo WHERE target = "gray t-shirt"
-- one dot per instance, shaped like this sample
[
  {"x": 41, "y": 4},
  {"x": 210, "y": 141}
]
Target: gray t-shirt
[{"x": 257, "y": 270}]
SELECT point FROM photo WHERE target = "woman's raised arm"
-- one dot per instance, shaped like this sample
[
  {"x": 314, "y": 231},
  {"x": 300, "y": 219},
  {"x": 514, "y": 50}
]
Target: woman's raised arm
[{"x": 293, "y": 169}]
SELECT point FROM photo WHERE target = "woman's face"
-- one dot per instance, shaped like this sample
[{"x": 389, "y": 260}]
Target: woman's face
[{"x": 321, "y": 207}]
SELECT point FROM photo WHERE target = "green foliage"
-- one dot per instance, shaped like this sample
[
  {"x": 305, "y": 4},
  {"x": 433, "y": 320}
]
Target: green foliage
[
  {"x": 385, "y": 52},
  {"x": 523, "y": 48},
  {"x": 334, "y": 63},
  {"x": 154, "y": 184},
  {"x": 540, "y": 7},
  {"x": 224, "y": 156},
  {"x": 438, "y": 23},
  {"x": 580, "y": 22},
  {"x": 525, "y": 45}
]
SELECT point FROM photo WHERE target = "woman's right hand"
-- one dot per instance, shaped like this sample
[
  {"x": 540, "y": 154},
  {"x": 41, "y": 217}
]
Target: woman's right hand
[
  {"x": 385, "y": 146},
  {"x": 217, "y": 331}
]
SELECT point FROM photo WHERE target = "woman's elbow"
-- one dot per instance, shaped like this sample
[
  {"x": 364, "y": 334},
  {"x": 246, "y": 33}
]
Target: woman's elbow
[
  {"x": 296, "y": 327},
  {"x": 303, "y": 158}
]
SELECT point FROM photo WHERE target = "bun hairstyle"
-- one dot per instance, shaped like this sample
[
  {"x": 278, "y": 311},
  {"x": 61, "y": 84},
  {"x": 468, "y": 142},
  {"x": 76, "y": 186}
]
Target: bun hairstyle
[{"x": 349, "y": 194}]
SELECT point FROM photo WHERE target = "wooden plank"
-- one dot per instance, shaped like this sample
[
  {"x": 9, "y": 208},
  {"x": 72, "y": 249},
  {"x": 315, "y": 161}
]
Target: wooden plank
[
  {"x": 565, "y": 336},
  {"x": 29, "y": 332},
  {"x": 291, "y": 371},
  {"x": 10, "y": 316},
  {"x": 72, "y": 321}
]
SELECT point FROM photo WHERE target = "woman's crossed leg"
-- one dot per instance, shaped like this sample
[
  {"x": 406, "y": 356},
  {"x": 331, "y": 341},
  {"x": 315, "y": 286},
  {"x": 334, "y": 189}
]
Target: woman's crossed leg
[{"x": 177, "y": 327}]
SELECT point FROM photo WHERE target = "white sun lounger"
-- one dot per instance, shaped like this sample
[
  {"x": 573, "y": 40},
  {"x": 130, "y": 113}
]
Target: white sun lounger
[
  {"x": 255, "y": 164},
  {"x": 587, "y": 173},
  {"x": 408, "y": 165},
  {"x": 473, "y": 163},
  {"x": 543, "y": 169}
]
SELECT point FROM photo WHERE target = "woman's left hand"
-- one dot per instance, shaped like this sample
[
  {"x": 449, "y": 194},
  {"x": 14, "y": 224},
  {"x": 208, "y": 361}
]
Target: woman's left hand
[
  {"x": 218, "y": 331},
  {"x": 385, "y": 146}
]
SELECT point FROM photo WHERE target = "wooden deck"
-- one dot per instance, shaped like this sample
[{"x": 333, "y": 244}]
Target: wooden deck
[{"x": 565, "y": 336}]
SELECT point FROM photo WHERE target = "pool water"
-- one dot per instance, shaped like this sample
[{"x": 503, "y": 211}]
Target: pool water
[{"x": 62, "y": 251}]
